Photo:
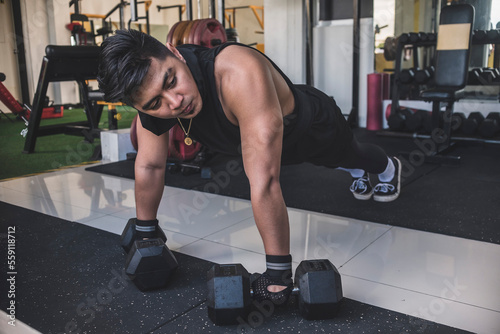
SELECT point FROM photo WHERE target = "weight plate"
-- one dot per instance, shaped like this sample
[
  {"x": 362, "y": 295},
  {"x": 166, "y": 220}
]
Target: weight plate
[
  {"x": 390, "y": 46},
  {"x": 187, "y": 32},
  {"x": 193, "y": 31},
  {"x": 171, "y": 32},
  {"x": 210, "y": 33},
  {"x": 178, "y": 33}
]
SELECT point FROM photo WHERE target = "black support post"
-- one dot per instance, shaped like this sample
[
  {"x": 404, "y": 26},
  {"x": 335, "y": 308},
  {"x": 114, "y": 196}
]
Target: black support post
[
  {"x": 354, "y": 114},
  {"x": 20, "y": 51},
  {"x": 37, "y": 109},
  {"x": 308, "y": 21}
]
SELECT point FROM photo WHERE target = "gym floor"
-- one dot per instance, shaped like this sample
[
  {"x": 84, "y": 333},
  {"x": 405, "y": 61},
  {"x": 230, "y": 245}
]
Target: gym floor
[{"x": 435, "y": 278}]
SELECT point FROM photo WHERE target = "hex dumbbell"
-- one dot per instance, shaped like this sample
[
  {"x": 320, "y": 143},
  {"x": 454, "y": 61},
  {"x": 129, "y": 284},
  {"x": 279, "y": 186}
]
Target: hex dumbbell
[
  {"x": 471, "y": 124},
  {"x": 318, "y": 289},
  {"x": 407, "y": 75},
  {"x": 422, "y": 76},
  {"x": 490, "y": 126},
  {"x": 150, "y": 264},
  {"x": 457, "y": 121},
  {"x": 397, "y": 118},
  {"x": 415, "y": 121}
]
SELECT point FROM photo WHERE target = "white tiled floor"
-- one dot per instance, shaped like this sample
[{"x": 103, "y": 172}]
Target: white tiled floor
[{"x": 448, "y": 280}]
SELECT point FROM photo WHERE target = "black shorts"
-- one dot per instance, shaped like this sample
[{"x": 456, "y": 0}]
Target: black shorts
[{"x": 316, "y": 131}]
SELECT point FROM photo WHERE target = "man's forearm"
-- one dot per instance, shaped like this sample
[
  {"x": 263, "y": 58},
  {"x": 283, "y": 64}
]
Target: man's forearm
[
  {"x": 149, "y": 184},
  {"x": 271, "y": 218}
]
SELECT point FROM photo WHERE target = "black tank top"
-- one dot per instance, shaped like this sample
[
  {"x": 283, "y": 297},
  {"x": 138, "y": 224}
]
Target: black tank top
[{"x": 211, "y": 126}]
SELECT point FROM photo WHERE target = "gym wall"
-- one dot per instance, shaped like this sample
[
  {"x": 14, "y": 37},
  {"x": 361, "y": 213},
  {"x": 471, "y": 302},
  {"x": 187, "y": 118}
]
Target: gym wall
[
  {"x": 333, "y": 54},
  {"x": 284, "y": 40}
]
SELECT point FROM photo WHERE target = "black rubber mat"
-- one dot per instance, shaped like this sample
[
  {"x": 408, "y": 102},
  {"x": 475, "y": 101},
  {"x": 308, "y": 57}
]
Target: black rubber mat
[
  {"x": 452, "y": 200},
  {"x": 70, "y": 279}
]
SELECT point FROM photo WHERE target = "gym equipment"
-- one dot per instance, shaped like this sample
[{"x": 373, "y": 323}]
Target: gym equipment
[
  {"x": 65, "y": 63},
  {"x": 24, "y": 112},
  {"x": 431, "y": 37},
  {"x": 378, "y": 89},
  {"x": 427, "y": 121},
  {"x": 49, "y": 112},
  {"x": 9, "y": 100},
  {"x": 415, "y": 120},
  {"x": 170, "y": 34},
  {"x": 229, "y": 295},
  {"x": 407, "y": 75},
  {"x": 398, "y": 117},
  {"x": 480, "y": 35},
  {"x": 113, "y": 115},
  {"x": 150, "y": 264},
  {"x": 318, "y": 288},
  {"x": 457, "y": 121},
  {"x": 451, "y": 68},
  {"x": 493, "y": 34},
  {"x": 415, "y": 37},
  {"x": 390, "y": 45},
  {"x": 471, "y": 124},
  {"x": 489, "y": 75},
  {"x": 404, "y": 38},
  {"x": 180, "y": 8},
  {"x": 129, "y": 235},
  {"x": 490, "y": 126},
  {"x": 424, "y": 37},
  {"x": 232, "y": 35},
  {"x": 174, "y": 36},
  {"x": 422, "y": 76},
  {"x": 483, "y": 76},
  {"x": 120, "y": 7},
  {"x": 204, "y": 32},
  {"x": 209, "y": 33}
]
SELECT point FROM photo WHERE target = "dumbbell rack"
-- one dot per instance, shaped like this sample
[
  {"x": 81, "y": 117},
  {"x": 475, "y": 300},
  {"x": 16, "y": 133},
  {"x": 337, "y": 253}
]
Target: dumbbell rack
[
  {"x": 477, "y": 76},
  {"x": 487, "y": 76},
  {"x": 417, "y": 40}
]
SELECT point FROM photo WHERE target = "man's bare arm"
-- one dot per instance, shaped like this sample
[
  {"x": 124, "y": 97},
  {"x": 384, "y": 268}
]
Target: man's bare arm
[
  {"x": 249, "y": 92},
  {"x": 150, "y": 166}
]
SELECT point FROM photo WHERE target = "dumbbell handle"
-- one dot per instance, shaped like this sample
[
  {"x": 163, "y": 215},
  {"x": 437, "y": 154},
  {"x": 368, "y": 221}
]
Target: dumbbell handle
[{"x": 295, "y": 291}]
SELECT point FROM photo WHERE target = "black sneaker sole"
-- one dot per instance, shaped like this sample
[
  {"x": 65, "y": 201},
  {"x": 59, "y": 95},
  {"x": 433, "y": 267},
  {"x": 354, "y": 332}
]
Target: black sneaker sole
[
  {"x": 363, "y": 197},
  {"x": 386, "y": 198}
]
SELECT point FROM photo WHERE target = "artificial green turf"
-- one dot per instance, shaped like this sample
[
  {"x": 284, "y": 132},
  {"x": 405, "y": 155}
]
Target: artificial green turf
[{"x": 51, "y": 152}]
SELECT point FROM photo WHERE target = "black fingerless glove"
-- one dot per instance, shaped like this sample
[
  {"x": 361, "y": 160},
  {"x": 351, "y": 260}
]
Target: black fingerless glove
[
  {"x": 261, "y": 292},
  {"x": 279, "y": 272}
]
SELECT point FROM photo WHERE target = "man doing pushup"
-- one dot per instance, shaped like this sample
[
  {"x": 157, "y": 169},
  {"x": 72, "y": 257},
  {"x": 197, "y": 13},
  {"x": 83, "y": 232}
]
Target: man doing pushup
[{"x": 234, "y": 100}]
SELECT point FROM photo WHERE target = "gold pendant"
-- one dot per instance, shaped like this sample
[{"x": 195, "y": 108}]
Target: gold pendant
[{"x": 188, "y": 141}]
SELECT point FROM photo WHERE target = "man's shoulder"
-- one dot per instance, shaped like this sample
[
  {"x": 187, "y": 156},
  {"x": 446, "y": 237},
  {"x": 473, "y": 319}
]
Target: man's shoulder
[
  {"x": 236, "y": 58},
  {"x": 235, "y": 49}
]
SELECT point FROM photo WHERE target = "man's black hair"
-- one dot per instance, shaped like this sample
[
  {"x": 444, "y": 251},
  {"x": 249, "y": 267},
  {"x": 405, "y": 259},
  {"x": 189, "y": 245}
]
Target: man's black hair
[{"x": 124, "y": 61}]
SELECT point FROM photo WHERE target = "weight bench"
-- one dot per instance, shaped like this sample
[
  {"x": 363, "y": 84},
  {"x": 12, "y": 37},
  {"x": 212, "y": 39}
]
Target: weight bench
[
  {"x": 451, "y": 73},
  {"x": 66, "y": 63}
]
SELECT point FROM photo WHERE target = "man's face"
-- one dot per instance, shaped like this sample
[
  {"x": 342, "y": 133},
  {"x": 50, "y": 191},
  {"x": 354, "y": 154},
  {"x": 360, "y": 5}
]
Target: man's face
[{"x": 168, "y": 89}]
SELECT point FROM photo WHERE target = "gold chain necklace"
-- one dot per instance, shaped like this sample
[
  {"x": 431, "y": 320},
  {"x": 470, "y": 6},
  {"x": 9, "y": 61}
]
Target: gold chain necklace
[{"x": 188, "y": 141}]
